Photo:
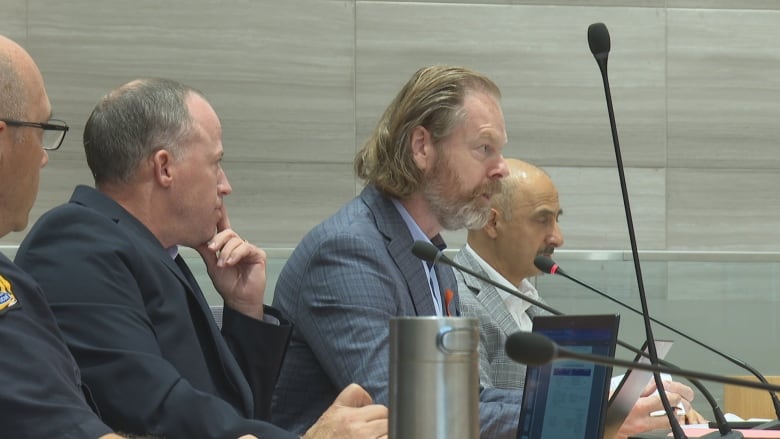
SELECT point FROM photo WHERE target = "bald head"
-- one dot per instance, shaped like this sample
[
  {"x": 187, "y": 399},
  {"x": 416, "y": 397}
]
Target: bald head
[
  {"x": 21, "y": 83},
  {"x": 523, "y": 223},
  {"x": 523, "y": 179},
  {"x": 22, "y": 98}
]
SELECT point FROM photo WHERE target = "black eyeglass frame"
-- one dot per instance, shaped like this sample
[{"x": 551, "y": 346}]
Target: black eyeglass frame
[{"x": 60, "y": 125}]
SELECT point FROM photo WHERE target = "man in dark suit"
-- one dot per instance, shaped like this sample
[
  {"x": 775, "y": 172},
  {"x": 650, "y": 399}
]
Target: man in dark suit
[
  {"x": 131, "y": 310},
  {"x": 42, "y": 395},
  {"x": 432, "y": 163}
]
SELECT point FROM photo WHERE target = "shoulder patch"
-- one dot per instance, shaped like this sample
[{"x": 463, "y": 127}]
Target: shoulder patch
[{"x": 7, "y": 298}]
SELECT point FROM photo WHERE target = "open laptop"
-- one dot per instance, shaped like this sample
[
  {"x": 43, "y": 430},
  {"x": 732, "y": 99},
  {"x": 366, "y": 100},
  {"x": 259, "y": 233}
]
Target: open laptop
[
  {"x": 630, "y": 388},
  {"x": 568, "y": 398}
]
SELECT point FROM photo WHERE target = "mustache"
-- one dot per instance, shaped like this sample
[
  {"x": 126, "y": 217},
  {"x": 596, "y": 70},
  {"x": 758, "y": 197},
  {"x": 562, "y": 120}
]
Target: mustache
[
  {"x": 546, "y": 251},
  {"x": 493, "y": 187}
]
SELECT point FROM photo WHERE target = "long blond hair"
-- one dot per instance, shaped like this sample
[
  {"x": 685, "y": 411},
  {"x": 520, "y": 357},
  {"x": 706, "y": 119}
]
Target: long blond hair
[{"x": 433, "y": 98}]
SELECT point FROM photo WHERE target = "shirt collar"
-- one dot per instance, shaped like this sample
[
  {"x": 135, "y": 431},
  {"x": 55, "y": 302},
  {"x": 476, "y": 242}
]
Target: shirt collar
[
  {"x": 525, "y": 287},
  {"x": 415, "y": 230}
]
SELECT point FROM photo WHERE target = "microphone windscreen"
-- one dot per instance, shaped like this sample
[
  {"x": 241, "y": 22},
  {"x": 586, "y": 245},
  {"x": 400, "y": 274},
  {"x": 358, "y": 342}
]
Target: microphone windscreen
[
  {"x": 425, "y": 251},
  {"x": 598, "y": 39},
  {"x": 529, "y": 348},
  {"x": 545, "y": 264}
]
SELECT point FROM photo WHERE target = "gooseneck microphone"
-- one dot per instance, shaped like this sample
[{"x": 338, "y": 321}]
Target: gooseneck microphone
[
  {"x": 547, "y": 265},
  {"x": 599, "y": 42},
  {"x": 536, "y": 349},
  {"x": 430, "y": 253}
]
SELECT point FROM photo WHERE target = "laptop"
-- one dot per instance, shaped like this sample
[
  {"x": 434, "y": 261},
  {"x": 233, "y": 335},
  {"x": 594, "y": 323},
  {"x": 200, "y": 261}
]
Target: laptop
[
  {"x": 630, "y": 388},
  {"x": 568, "y": 398}
]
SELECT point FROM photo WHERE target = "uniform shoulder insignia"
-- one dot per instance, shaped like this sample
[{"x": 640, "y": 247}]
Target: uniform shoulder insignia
[{"x": 7, "y": 298}]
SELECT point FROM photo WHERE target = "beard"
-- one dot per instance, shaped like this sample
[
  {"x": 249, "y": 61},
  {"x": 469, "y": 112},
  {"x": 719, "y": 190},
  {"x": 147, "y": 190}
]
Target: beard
[{"x": 454, "y": 209}]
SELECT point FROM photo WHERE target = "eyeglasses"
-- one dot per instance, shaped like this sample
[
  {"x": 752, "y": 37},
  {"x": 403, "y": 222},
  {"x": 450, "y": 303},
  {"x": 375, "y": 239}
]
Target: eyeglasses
[{"x": 53, "y": 131}]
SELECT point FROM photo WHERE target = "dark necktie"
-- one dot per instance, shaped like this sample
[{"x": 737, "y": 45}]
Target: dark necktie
[{"x": 446, "y": 295}]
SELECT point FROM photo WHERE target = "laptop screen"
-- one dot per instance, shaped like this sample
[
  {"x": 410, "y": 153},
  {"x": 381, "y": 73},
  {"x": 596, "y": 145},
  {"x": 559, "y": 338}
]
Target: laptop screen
[{"x": 567, "y": 398}]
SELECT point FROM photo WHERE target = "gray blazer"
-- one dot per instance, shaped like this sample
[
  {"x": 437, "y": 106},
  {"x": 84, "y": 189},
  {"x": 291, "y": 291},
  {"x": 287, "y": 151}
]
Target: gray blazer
[
  {"x": 340, "y": 287},
  {"x": 481, "y": 300}
]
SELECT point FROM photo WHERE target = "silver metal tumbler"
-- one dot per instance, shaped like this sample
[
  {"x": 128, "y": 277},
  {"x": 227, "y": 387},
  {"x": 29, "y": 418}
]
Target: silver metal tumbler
[{"x": 434, "y": 378}]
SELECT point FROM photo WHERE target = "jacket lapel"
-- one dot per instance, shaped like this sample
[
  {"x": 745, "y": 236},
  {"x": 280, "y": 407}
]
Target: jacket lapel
[
  {"x": 399, "y": 244},
  {"x": 229, "y": 366},
  {"x": 487, "y": 294}
]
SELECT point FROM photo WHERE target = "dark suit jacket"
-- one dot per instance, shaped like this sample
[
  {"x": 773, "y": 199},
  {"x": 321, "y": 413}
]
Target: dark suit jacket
[
  {"x": 340, "y": 287},
  {"x": 141, "y": 330}
]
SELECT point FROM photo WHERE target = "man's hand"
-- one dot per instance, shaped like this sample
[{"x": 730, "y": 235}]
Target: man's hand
[
  {"x": 640, "y": 418},
  {"x": 237, "y": 269},
  {"x": 694, "y": 417},
  {"x": 351, "y": 416}
]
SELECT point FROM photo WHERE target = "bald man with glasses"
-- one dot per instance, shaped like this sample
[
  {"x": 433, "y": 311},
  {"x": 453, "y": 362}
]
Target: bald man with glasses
[{"x": 42, "y": 394}]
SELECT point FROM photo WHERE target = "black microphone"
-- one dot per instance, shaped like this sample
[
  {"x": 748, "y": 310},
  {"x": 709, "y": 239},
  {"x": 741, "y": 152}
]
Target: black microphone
[
  {"x": 599, "y": 42},
  {"x": 428, "y": 252},
  {"x": 547, "y": 265},
  {"x": 535, "y": 349}
]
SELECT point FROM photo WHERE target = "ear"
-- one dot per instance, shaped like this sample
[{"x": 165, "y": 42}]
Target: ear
[
  {"x": 163, "y": 167},
  {"x": 491, "y": 228},
  {"x": 423, "y": 151}
]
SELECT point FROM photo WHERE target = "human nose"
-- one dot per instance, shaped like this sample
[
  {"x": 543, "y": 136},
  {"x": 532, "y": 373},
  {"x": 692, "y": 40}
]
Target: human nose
[
  {"x": 44, "y": 158},
  {"x": 223, "y": 185},
  {"x": 501, "y": 170},
  {"x": 555, "y": 238}
]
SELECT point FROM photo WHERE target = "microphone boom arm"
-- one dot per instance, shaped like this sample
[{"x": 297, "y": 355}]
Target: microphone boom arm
[
  {"x": 519, "y": 341},
  {"x": 543, "y": 262},
  {"x": 598, "y": 40},
  {"x": 429, "y": 252}
]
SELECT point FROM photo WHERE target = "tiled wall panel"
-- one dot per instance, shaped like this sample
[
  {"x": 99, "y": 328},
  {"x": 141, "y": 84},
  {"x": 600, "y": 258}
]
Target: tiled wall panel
[
  {"x": 723, "y": 88},
  {"x": 553, "y": 96},
  {"x": 299, "y": 85}
]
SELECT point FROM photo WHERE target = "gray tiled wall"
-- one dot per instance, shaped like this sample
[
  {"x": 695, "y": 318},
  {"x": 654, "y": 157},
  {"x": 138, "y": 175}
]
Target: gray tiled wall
[{"x": 299, "y": 84}]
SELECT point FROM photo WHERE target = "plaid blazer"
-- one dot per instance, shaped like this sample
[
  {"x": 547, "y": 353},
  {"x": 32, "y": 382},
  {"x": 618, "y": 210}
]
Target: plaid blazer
[
  {"x": 481, "y": 300},
  {"x": 340, "y": 287}
]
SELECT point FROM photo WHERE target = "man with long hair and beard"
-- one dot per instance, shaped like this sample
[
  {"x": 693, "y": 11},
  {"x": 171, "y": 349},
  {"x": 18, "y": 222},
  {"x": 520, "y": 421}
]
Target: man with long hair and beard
[{"x": 433, "y": 163}]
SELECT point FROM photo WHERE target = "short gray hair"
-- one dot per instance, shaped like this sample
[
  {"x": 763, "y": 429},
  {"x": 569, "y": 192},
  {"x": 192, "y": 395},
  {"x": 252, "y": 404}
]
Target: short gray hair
[
  {"x": 504, "y": 200},
  {"x": 13, "y": 93},
  {"x": 133, "y": 122}
]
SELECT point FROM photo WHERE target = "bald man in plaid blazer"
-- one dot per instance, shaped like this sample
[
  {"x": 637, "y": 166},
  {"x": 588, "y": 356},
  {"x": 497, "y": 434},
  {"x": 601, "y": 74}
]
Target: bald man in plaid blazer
[
  {"x": 486, "y": 302},
  {"x": 523, "y": 223}
]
